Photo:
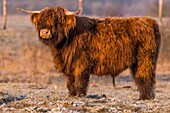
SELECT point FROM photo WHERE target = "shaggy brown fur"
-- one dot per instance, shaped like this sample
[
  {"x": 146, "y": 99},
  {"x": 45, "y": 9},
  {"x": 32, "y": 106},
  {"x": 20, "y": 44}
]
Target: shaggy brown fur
[{"x": 82, "y": 46}]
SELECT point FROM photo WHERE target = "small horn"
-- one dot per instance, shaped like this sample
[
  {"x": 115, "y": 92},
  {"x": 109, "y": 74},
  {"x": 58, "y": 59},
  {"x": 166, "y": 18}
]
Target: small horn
[
  {"x": 30, "y": 12},
  {"x": 72, "y": 13}
]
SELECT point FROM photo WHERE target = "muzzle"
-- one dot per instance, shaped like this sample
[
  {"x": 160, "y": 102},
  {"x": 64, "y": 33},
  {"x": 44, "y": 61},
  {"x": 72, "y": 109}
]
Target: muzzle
[{"x": 45, "y": 34}]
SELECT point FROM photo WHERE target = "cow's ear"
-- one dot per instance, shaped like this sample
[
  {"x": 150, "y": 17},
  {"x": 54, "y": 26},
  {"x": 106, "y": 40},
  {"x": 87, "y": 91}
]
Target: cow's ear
[
  {"x": 70, "y": 23},
  {"x": 70, "y": 20},
  {"x": 34, "y": 18}
]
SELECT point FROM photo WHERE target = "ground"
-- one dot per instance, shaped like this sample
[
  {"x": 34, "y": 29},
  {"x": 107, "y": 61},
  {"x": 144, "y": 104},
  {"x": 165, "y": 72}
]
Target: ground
[
  {"x": 102, "y": 97},
  {"x": 29, "y": 82}
]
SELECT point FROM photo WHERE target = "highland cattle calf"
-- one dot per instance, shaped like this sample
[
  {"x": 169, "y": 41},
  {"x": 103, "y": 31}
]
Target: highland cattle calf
[{"x": 82, "y": 46}]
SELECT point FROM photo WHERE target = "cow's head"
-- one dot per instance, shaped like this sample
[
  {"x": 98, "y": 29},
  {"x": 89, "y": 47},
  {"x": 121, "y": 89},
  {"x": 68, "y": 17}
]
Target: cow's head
[{"x": 53, "y": 23}]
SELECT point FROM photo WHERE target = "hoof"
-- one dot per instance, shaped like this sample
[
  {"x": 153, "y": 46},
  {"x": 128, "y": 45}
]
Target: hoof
[
  {"x": 80, "y": 95},
  {"x": 72, "y": 95},
  {"x": 147, "y": 97}
]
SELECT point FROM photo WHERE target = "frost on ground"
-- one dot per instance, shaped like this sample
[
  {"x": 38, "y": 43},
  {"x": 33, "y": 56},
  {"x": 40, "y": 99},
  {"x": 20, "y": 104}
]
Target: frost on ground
[{"x": 102, "y": 97}]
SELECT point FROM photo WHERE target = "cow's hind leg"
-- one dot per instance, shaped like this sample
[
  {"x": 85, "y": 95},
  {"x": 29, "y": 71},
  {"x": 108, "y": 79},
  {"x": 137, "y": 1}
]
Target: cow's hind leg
[
  {"x": 144, "y": 75},
  {"x": 113, "y": 80},
  {"x": 81, "y": 84},
  {"x": 70, "y": 85}
]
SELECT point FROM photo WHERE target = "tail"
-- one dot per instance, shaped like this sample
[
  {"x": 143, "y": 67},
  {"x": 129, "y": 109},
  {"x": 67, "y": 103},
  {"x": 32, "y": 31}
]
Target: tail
[{"x": 157, "y": 35}]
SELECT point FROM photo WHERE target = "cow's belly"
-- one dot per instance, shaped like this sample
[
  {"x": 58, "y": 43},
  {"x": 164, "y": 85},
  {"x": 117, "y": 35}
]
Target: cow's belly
[{"x": 107, "y": 67}]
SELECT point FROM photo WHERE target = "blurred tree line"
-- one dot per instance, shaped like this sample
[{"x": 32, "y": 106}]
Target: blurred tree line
[{"x": 94, "y": 7}]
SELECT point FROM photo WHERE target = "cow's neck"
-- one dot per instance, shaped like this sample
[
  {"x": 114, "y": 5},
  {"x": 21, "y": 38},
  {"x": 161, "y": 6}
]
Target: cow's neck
[{"x": 83, "y": 24}]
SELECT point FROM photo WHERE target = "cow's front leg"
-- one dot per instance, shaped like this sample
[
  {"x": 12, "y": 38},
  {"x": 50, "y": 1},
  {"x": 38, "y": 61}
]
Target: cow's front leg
[
  {"x": 81, "y": 84},
  {"x": 70, "y": 84}
]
